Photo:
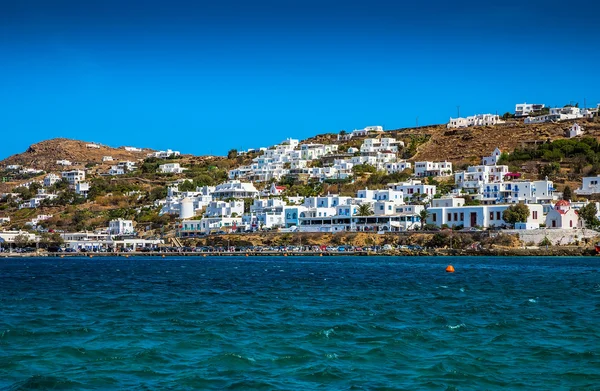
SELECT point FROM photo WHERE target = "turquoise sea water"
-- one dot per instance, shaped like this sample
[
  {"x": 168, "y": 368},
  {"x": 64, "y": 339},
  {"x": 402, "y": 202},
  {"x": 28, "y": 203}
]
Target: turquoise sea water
[{"x": 274, "y": 323}]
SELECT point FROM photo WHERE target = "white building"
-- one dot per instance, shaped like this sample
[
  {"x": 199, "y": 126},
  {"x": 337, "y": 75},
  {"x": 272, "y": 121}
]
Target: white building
[
  {"x": 116, "y": 170},
  {"x": 92, "y": 146},
  {"x": 477, "y": 177},
  {"x": 82, "y": 188},
  {"x": 133, "y": 149},
  {"x": 121, "y": 227},
  {"x": 38, "y": 199},
  {"x": 492, "y": 160},
  {"x": 562, "y": 216},
  {"x": 224, "y": 209},
  {"x": 423, "y": 169},
  {"x": 414, "y": 188},
  {"x": 235, "y": 189},
  {"x": 475, "y": 120},
  {"x": 541, "y": 191},
  {"x": 4, "y": 220},
  {"x": 525, "y": 109},
  {"x": 575, "y": 130},
  {"x": 73, "y": 176},
  {"x": 107, "y": 158},
  {"x": 556, "y": 115},
  {"x": 170, "y": 168},
  {"x": 384, "y": 144},
  {"x": 63, "y": 162},
  {"x": 482, "y": 216},
  {"x": 164, "y": 154},
  {"x": 589, "y": 186},
  {"x": 51, "y": 179}
]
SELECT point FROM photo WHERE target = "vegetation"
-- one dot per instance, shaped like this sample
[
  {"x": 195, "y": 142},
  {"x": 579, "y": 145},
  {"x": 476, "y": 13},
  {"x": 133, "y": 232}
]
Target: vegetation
[
  {"x": 588, "y": 214},
  {"x": 365, "y": 210},
  {"x": 517, "y": 213},
  {"x": 567, "y": 194}
]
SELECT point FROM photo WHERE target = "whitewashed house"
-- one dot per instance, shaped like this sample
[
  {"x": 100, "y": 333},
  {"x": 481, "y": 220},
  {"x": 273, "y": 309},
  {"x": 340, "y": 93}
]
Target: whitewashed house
[
  {"x": 63, "y": 162},
  {"x": 589, "y": 186},
  {"x": 482, "y": 216},
  {"x": 398, "y": 166},
  {"x": 492, "y": 160},
  {"x": 121, "y": 227},
  {"x": 477, "y": 177},
  {"x": 475, "y": 120},
  {"x": 235, "y": 189},
  {"x": 423, "y": 169},
  {"x": 73, "y": 176},
  {"x": 133, "y": 149},
  {"x": 164, "y": 154},
  {"x": 170, "y": 168},
  {"x": 107, "y": 158},
  {"x": 92, "y": 146},
  {"x": 529, "y": 192},
  {"x": 82, "y": 188},
  {"x": 414, "y": 188},
  {"x": 526, "y": 109},
  {"x": 562, "y": 216},
  {"x": 575, "y": 130},
  {"x": 51, "y": 179},
  {"x": 557, "y": 114},
  {"x": 116, "y": 170}
]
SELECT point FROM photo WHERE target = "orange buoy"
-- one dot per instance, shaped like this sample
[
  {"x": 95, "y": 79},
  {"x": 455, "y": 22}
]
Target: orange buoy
[
  {"x": 246, "y": 254},
  {"x": 450, "y": 269}
]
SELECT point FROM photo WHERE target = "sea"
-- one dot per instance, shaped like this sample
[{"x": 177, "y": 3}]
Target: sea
[{"x": 300, "y": 323}]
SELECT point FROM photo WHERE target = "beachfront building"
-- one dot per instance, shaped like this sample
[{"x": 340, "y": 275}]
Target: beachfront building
[
  {"x": 120, "y": 227},
  {"x": 235, "y": 189},
  {"x": 170, "y": 168},
  {"x": 479, "y": 216},
  {"x": 425, "y": 169},
  {"x": 527, "y": 109},
  {"x": 562, "y": 216},
  {"x": 73, "y": 176},
  {"x": 51, "y": 179},
  {"x": 589, "y": 186},
  {"x": 474, "y": 120}
]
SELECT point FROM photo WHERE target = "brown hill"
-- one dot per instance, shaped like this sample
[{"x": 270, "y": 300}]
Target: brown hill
[
  {"x": 469, "y": 145},
  {"x": 44, "y": 155}
]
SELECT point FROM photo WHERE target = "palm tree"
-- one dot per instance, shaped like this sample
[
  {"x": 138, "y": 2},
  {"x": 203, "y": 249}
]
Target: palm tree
[
  {"x": 424, "y": 214},
  {"x": 364, "y": 210}
]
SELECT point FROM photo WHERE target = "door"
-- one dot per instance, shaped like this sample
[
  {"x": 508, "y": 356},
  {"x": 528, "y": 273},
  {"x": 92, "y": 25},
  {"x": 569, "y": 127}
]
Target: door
[{"x": 473, "y": 219}]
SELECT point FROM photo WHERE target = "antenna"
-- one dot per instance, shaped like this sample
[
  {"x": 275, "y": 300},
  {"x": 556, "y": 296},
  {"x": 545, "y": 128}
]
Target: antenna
[
  {"x": 458, "y": 111},
  {"x": 417, "y": 121}
]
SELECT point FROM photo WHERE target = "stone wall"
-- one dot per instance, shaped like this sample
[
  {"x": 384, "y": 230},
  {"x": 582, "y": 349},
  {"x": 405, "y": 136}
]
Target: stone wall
[{"x": 556, "y": 236}]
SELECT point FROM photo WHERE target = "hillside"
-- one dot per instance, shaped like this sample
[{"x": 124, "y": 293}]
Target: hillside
[{"x": 44, "y": 155}]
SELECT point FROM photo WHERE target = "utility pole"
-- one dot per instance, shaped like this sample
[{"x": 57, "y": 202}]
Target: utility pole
[
  {"x": 417, "y": 121},
  {"x": 458, "y": 111}
]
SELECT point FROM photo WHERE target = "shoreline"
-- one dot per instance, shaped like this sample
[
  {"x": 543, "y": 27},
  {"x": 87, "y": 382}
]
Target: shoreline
[{"x": 494, "y": 252}]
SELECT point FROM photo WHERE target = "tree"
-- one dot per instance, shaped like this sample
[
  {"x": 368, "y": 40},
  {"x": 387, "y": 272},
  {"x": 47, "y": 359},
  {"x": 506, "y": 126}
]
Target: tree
[
  {"x": 21, "y": 240},
  {"x": 424, "y": 214},
  {"x": 588, "y": 214},
  {"x": 516, "y": 214},
  {"x": 365, "y": 210},
  {"x": 567, "y": 194},
  {"x": 232, "y": 154}
]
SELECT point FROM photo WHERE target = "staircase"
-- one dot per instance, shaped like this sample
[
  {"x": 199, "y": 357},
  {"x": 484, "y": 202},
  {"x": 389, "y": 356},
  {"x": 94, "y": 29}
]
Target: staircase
[{"x": 176, "y": 242}]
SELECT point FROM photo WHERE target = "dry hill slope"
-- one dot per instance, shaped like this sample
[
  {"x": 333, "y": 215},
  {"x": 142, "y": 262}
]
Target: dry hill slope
[{"x": 44, "y": 155}]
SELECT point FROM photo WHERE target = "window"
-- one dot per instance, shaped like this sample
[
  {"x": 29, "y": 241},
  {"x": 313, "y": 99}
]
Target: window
[
  {"x": 491, "y": 215},
  {"x": 462, "y": 216},
  {"x": 455, "y": 216},
  {"x": 449, "y": 216},
  {"x": 380, "y": 207},
  {"x": 498, "y": 217},
  {"x": 534, "y": 214},
  {"x": 571, "y": 223},
  {"x": 434, "y": 217}
]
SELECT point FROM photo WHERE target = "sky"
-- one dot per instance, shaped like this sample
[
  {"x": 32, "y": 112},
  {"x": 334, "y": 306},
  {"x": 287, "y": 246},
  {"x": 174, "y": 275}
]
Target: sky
[{"x": 205, "y": 77}]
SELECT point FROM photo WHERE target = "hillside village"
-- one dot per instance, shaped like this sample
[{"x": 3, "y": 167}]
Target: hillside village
[{"x": 532, "y": 173}]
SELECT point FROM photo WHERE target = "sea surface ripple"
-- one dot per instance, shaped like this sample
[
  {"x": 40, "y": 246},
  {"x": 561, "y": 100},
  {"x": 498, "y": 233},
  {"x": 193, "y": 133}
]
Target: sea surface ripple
[{"x": 300, "y": 323}]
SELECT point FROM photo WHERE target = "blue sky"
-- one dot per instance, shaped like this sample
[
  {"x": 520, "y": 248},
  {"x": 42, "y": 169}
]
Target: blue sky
[{"x": 203, "y": 77}]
